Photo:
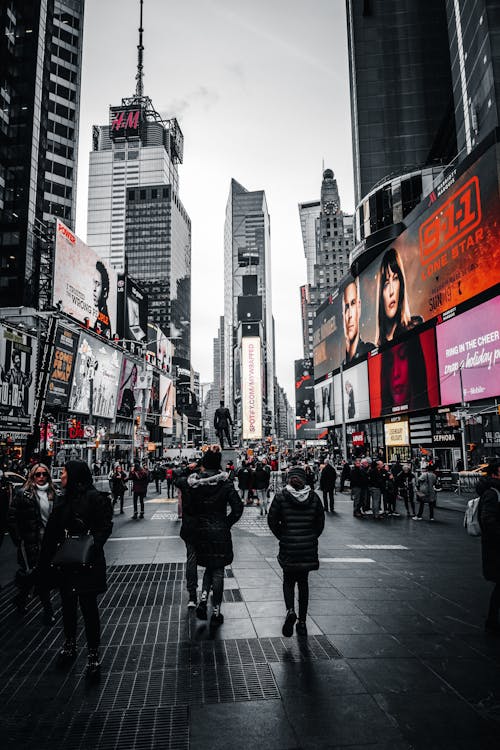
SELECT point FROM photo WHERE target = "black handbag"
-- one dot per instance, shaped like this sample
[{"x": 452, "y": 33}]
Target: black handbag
[{"x": 76, "y": 553}]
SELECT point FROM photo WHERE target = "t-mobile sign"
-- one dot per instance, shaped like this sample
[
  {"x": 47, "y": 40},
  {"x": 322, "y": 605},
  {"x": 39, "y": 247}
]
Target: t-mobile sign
[{"x": 470, "y": 344}]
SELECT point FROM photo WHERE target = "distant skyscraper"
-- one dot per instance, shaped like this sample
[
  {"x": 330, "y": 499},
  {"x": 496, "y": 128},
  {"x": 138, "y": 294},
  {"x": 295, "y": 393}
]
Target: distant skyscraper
[
  {"x": 328, "y": 238},
  {"x": 135, "y": 215},
  {"x": 247, "y": 308},
  {"x": 40, "y": 68}
]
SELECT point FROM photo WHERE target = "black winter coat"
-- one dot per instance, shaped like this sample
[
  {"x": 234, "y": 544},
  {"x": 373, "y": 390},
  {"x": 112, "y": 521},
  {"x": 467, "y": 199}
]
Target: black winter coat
[
  {"x": 489, "y": 520},
  {"x": 26, "y": 528},
  {"x": 297, "y": 525},
  {"x": 359, "y": 477},
  {"x": 91, "y": 511},
  {"x": 327, "y": 478},
  {"x": 261, "y": 479},
  {"x": 243, "y": 478},
  {"x": 210, "y": 494}
]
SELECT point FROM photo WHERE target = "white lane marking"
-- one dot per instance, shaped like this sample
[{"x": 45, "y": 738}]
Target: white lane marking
[
  {"x": 164, "y": 515},
  {"x": 376, "y": 546},
  {"x": 347, "y": 559},
  {"x": 139, "y": 538},
  {"x": 160, "y": 500}
]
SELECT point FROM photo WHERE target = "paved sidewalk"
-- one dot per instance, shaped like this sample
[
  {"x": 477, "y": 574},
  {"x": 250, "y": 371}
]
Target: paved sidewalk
[{"x": 396, "y": 655}]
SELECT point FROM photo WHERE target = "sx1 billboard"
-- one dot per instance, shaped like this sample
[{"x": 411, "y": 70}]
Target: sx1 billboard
[
  {"x": 438, "y": 262},
  {"x": 469, "y": 354},
  {"x": 251, "y": 387},
  {"x": 84, "y": 285}
]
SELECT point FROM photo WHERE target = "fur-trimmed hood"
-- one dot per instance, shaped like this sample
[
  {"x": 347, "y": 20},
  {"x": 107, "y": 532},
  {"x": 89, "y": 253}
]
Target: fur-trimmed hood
[{"x": 207, "y": 479}]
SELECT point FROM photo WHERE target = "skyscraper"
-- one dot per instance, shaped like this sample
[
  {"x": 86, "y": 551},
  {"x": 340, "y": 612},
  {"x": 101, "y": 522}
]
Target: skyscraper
[
  {"x": 40, "y": 69},
  {"x": 135, "y": 215},
  {"x": 328, "y": 238},
  {"x": 248, "y": 321}
]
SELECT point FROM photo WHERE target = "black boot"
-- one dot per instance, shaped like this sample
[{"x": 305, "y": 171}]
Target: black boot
[
  {"x": 68, "y": 652},
  {"x": 93, "y": 670}
]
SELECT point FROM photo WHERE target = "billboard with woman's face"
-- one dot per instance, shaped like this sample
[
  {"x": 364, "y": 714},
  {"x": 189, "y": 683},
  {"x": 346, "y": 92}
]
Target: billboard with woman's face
[
  {"x": 85, "y": 286},
  {"x": 442, "y": 259},
  {"x": 404, "y": 377}
]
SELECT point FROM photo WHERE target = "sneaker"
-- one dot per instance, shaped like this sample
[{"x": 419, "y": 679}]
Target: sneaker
[
  {"x": 67, "y": 652},
  {"x": 431, "y": 519},
  {"x": 217, "y": 618},
  {"x": 396, "y": 515},
  {"x": 201, "y": 610},
  {"x": 301, "y": 628},
  {"x": 287, "y": 628},
  {"x": 93, "y": 669},
  {"x": 192, "y": 602},
  {"x": 416, "y": 518}
]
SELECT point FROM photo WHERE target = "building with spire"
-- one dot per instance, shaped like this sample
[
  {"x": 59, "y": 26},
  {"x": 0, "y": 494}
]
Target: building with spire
[
  {"x": 136, "y": 218},
  {"x": 328, "y": 238}
]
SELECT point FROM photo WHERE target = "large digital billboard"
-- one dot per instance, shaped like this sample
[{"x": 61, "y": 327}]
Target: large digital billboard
[
  {"x": 439, "y": 261},
  {"x": 132, "y": 314},
  {"x": 166, "y": 403},
  {"x": 95, "y": 379},
  {"x": 351, "y": 387},
  {"x": 18, "y": 352},
  {"x": 127, "y": 389},
  {"x": 324, "y": 403},
  {"x": 469, "y": 354},
  {"x": 305, "y": 424},
  {"x": 84, "y": 285},
  {"x": 251, "y": 387},
  {"x": 62, "y": 366},
  {"x": 404, "y": 377}
]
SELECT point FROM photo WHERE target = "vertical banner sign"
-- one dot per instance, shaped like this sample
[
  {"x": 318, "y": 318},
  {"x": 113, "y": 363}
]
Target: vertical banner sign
[
  {"x": 251, "y": 368},
  {"x": 61, "y": 371}
]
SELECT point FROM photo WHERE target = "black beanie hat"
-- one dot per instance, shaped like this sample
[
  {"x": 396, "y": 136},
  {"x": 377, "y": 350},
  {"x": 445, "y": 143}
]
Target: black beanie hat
[
  {"x": 212, "y": 460},
  {"x": 297, "y": 471}
]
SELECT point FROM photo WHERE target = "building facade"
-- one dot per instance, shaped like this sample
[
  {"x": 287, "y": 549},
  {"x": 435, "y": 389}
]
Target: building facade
[
  {"x": 40, "y": 70},
  {"x": 248, "y": 321}
]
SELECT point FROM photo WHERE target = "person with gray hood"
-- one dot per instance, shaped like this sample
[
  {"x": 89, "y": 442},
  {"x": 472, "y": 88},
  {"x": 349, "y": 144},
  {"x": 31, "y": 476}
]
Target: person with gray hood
[
  {"x": 297, "y": 518},
  {"x": 210, "y": 492}
]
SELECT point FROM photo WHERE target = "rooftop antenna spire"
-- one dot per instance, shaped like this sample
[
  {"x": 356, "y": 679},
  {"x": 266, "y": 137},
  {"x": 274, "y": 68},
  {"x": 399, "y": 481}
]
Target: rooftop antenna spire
[{"x": 139, "y": 88}]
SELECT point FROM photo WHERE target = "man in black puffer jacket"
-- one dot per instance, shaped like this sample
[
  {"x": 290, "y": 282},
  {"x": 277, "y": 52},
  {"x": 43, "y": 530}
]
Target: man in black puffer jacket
[
  {"x": 489, "y": 519},
  {"x": 297, "y": 518},
  {"x": 210, "y": 492}
]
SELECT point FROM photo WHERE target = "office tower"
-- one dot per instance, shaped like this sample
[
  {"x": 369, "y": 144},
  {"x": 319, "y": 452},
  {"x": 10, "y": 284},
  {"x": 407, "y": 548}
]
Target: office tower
[
  {"x": 40, "y": 69},
  {"x": 401, "y": 90},
  {"x": 248, "y": 322},
  {"x": 328, "y": 238}
]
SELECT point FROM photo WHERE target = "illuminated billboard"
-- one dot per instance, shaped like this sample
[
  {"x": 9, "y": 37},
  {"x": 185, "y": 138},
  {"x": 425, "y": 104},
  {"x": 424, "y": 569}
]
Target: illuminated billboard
[
  {"x": 324, "y": 403},
  {"x": 438, "y": 262},
  {"x": 18, "y": 364},
  {"x": 95, "y": 379},
  {"x": 166, "y": 406},
  {"x": 128, "y": 394},
  {"x": 84, "y": 285},
  {"x": 351, "y": 387},
  {"x": 251, "y": 387},
  {"x": 125, "y": 122},
  {"x": 62, "y": 365},
  {"x": 469, "y": 349},
  {"x": 404, "y": 377},
  {"x": 132, "y": 314},
  {"x": 305, "y": 425}
]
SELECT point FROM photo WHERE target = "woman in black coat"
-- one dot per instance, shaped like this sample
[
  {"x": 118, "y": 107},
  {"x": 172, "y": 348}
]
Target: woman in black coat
[
  {"x": 489, "y": 520},
  {"x": 297, "y": 518},
  {"x": 327, "y": 480},
  {"x": 81, "y": 509},
  {"x": 210, "y": 492}
]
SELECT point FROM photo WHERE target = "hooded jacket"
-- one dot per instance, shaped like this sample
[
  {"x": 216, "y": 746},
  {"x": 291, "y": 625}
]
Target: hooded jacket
[
  {"x": 209, "y": 493},
  {"x": 297, "y": 519},
  {"x": 489, "y": 520},
  {"x": 26, "y": 526},
  {"x": 328, "y": 477}
]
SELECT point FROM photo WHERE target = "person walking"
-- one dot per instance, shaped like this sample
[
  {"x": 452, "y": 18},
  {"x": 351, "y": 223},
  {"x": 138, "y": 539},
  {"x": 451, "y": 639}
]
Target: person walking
[
  {"x": 210, "y": 494},
  {"x": 488, "y": 488},
  {"x": 157, "y": 475},
  {"x": 390, "y": 493},
  {"x": 359, "y": 485},
  {"x": 29, "y": 513},
  {"x": 327, "y": 480},
  {"x": 187, "y": 532},
  {"x": 426, "y": 494},
  {"x": 140, "y": 479},
  {"x": 169, "y": 476},
  {"x": 376, "y": 480},
  {"x": 405, "y": 483},
  {"x": 345, "y": 475},
  {"x": 81, "y": 509},
  {"x": 296, "y": 518},
  {"x": 118, "y": 484},
  {"x": 243, "y": 477},
  {"x": 261, "y": 479}
]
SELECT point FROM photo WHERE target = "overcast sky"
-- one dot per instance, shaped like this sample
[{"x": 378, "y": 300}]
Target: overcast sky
[{"x": 261, "y": 93}]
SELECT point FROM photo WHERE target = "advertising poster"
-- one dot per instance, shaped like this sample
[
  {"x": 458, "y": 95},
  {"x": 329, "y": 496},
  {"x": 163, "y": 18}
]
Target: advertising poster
[
  {"x": 324, "y": 403},
  {"x": 166, "y": 405},
  {"x": 351, "y": 386},
  {"x": 132, "y": 314},
  {"x": 305, "y": 424},
  {"x": 127, "y": 388},
  {"x": 61, "y": 371},
  {"x": 438, "y": 262},
  {"x": 397, "y": 432},
  {"x": 95, "y": 379},
  {"x": 470, "y": 344},
  {"x": 85, "y": 286},
  {"x": 404, "y": 377},
  {"x": 18, "y": 352},
  {"x": 251, "y": 387}
]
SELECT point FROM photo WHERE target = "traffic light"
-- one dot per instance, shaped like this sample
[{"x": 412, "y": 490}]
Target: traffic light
[{"x": 138, "y": 420}]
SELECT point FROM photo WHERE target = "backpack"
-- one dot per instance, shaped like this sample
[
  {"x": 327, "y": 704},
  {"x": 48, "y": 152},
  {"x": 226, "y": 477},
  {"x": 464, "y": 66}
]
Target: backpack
[{"x": 471, "y": 516}]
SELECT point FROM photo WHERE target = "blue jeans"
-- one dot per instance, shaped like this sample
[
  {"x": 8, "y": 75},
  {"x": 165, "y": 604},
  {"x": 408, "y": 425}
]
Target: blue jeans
[{"x": 376, "y": 495}]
